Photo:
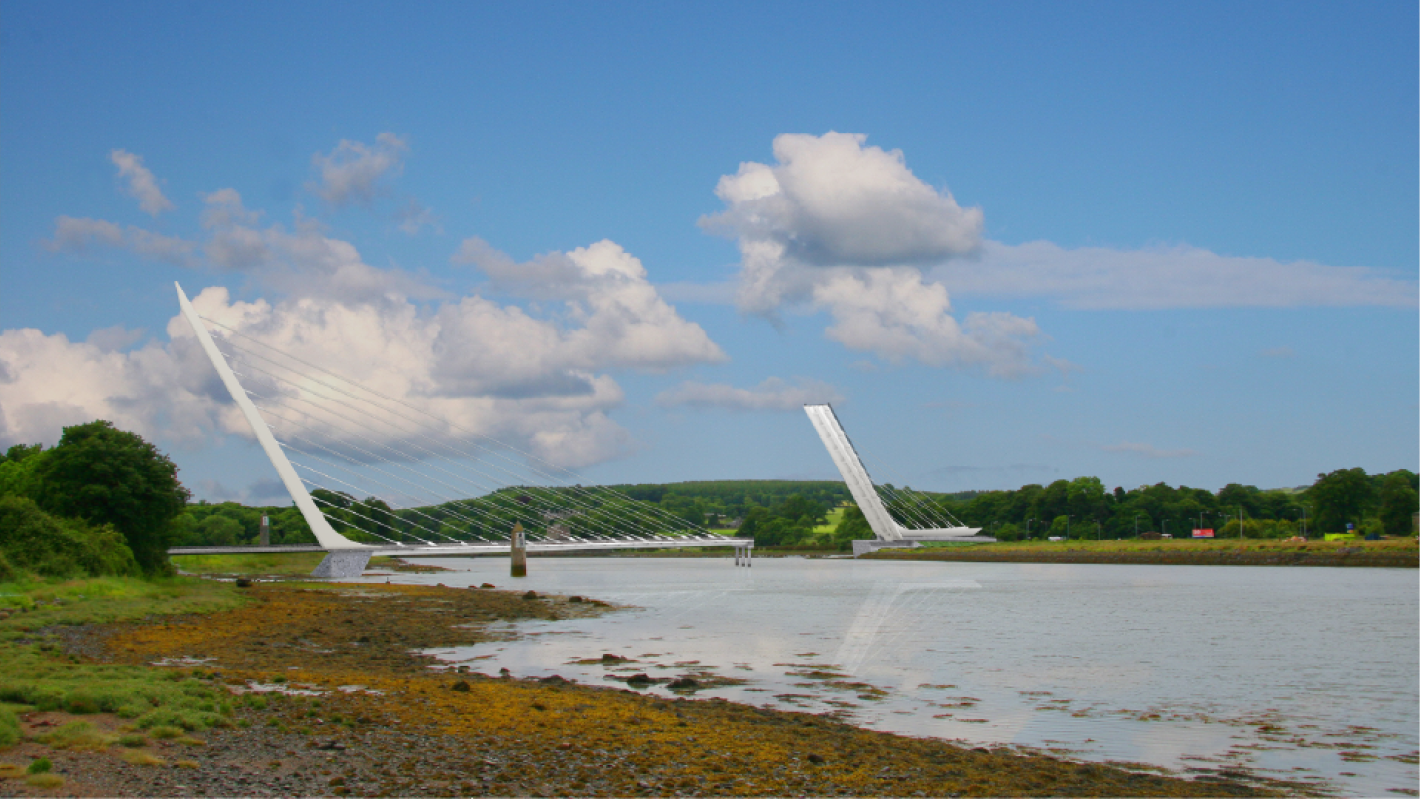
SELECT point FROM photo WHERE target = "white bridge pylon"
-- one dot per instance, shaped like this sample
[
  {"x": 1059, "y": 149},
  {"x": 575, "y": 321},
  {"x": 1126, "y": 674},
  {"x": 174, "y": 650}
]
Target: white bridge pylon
[
  {"x": 886, "y": 529},
  {"x": 346, "y": 446}
]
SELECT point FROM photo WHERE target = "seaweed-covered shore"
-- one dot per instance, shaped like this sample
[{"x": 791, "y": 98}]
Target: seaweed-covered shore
[{"x": 355, "y": 712}]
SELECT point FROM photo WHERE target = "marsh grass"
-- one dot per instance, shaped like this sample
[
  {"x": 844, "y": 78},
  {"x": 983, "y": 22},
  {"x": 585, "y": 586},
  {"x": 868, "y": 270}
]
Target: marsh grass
[
  {"x": 75, "y": 735},
  {"x": 254, "y": 563},
  {"x": 139, "y": 757},
  {"x": 35, "y": 672},
  {"x": 44, "y": 780}
]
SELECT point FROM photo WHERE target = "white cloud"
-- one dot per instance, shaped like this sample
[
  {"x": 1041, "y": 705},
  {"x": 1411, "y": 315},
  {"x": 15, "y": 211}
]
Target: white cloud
[
  {"x": 142, "y": 186},
  {"x": 225, "y": 209},
  {"x": 830, "y": 201},
  {"x": 1168, "y": 277},
  {"x": 154, "y": 391},
  {"x": 353, "y": 170},
  {"x": 896, "y": 316},
  {"x": 75, "y": 236},
  {"x": 839, "y": 226},
  {"x": 773, "y": 394},
  {"x": 1148, "y": 450}
]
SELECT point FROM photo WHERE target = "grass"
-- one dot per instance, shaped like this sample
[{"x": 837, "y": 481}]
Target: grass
[
  {"x": 834, "y": 517},
  {"x": 75, "y": 735},
  {"x": 44, "y": 780},
  {"x": 264, "y": 563},
  {"x": 138, "y": 757},
  {"x": 1176, "y": 544},
  {"x": 36, "y": 672}
]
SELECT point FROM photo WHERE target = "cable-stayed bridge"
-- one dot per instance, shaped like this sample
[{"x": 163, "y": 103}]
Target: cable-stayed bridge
[
  {"x": 434, "y": 488},
  {"x": 429, "y": 487}
]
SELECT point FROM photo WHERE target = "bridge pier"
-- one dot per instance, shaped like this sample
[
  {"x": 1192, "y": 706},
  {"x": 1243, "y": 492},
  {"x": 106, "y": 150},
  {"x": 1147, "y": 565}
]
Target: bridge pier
[
  {"x": 342, "y": 564},
  {"x": 744, "y": 555},
  {"x": 519, "y": 551}
]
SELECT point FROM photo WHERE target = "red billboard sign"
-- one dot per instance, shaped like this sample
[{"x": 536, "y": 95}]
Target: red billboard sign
[{"x": 1197, "y": 533}]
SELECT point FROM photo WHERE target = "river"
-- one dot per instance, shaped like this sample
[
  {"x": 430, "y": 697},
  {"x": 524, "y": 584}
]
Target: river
[{"x": 1302, "y": 674}]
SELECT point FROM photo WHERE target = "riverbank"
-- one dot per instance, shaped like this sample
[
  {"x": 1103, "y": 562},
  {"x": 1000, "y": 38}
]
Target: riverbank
[
  {"x": 313, "y": 689},
  {"x": 1400, "y": 553}
]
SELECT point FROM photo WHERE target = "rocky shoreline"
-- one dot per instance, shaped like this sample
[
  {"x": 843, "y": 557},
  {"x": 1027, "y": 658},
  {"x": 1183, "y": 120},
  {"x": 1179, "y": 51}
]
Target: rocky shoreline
[{"x": 329, "y": 698}]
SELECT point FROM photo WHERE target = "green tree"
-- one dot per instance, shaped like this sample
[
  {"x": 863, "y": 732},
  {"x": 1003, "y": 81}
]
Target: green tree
[
  {"x": 1398, "y": 504},
  {"x": 1060, "y": 528},
  {"x": 108, "y": 476},
  {"x": 852, "y": 527},
  {"x": 1341, "y": 497}
]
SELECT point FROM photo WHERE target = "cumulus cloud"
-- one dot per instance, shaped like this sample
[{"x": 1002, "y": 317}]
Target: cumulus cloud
[
  {"x": 142, "y": 186},
  {"x": 157, "y": 391},
  {"x": 840, "y": 226},
  {"x": 774, "y": 394},
  {"x": 1168, "y": 277},
  {"x": 353, "y": 171},
  {"x": 830, "y": 201},
  {"x": 896, "y": 316},
  {"x": 1147, "y": 450}
]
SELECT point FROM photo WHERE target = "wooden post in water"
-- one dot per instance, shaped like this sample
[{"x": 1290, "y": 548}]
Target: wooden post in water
[{"x": 520, "y": 552}]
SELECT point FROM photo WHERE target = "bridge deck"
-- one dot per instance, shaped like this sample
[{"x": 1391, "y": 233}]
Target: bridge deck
[{"x": 449, "y": 550}]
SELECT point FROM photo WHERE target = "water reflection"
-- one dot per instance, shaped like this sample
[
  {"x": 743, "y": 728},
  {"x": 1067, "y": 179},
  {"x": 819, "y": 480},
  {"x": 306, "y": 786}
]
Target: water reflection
[{"x": 1307, "y": 674}]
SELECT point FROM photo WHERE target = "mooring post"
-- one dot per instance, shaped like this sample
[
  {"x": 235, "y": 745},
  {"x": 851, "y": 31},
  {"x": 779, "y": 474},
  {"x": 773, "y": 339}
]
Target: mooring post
[{"x": 520, "y": 552}]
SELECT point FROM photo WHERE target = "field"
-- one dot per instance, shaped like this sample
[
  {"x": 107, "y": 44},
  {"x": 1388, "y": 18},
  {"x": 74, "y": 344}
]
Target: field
[{"x": 1400, "y": 552}]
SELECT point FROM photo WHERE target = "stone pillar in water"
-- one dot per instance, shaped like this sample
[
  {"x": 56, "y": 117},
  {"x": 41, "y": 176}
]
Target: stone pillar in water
[
  {"x": 520, "y": 552},
  {"x": 265, "y": 531}
]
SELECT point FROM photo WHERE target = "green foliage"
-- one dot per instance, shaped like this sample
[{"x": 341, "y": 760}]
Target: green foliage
[
  {"x": 9, "y": 727},
  {"x": 1398, "y": 503},
  {"x": 39, "y": 766},
  {"x": 35, "y": 541},
  {"x": 1059, "y": 528},
  {"x": 31, "y": 673},
  {"x": 1341, "y": 497},
  {"x": 108, "y": 476},
  {"x": 852, "y": 527}
]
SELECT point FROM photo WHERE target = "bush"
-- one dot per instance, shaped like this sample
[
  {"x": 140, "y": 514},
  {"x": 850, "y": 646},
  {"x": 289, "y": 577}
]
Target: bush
[
  {"x": 35, "y": 541},
  {"x": 9, "y": 727}
]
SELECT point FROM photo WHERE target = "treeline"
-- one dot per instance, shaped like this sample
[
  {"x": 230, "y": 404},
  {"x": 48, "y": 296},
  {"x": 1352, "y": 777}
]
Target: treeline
[
  {"x": 595, "y": 511},
  {"x": 101, "y": 502},
  {"x": 1374, "y": 504}
]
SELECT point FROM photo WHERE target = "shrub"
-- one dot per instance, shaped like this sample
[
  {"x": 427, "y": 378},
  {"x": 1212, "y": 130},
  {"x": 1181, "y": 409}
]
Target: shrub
[
  {"x": 39, "y": 766},
  {"x": 35, "y": 541},
  {"x": 9, "y": 727}
]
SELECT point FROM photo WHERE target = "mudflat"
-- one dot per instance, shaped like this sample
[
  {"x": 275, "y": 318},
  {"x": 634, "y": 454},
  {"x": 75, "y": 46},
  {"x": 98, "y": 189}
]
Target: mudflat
[{"x": 330, "y": 698}]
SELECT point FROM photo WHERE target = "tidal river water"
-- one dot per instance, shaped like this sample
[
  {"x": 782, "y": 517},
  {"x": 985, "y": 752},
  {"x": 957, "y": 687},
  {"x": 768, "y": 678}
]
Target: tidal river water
[{"x": 1302, "y": 674}]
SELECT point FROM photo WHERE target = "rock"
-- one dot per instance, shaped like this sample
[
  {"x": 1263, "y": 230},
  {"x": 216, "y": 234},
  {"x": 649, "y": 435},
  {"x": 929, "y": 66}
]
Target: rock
[
  {"x": 574, "y": 598},
  {"x": 683, "y": 683},
  {"x": 530, "y": 595},
  {"x": 640, "y": 677},
  {"x": 243, "y": 582},
  {"x": 610, "y": 658},
  {"x": 461, "y": 685},
  {"x": 332, "y": 746},
  {"x": 555, "y": 679},
  {"x": 487, "y": 585},
  {"x": 815, "y": 758}
]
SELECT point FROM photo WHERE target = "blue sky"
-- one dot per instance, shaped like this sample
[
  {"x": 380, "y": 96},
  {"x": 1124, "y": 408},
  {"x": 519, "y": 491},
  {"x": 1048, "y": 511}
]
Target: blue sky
[{"x": 1011, "y": 243}]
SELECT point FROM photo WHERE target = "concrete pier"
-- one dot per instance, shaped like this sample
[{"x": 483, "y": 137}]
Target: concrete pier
[{"x": 520, "y": 552}]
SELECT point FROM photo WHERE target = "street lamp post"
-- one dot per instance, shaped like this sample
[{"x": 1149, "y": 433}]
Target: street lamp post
[
  {"x": 1028, "y": 521},
  {"x": 1067, "y": 527}
]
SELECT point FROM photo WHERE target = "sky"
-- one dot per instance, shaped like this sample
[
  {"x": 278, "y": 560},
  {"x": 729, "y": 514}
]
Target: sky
[{"x": 1010, "y": 242}]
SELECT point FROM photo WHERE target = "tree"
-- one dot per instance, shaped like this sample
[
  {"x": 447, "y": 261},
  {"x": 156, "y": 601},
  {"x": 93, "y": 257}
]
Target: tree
[
  {"x": 1398, "y": 504},
  {"x": 1341, "y": 497},
  {"x": 1060, "y": 528},
  {"x": 108, "y": 476}
]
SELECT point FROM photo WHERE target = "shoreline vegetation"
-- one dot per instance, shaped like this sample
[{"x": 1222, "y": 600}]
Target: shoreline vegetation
[{"x": 187, "y": 686}]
